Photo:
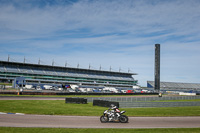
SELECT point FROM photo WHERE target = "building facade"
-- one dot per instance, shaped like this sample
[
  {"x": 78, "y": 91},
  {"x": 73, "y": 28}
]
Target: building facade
[
  {"x": 46, "y": 74},
  {"x": 176, "y": 86}
]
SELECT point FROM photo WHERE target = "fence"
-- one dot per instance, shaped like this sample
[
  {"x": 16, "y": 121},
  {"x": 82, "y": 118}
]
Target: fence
[
  {"x": 148, "y": 101},
  {"x": 142, "y": 99},
  {"x": 157, "y": 104}
]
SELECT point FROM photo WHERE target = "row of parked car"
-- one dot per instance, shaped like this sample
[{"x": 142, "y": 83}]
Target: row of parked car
[{"x": 76, "y": 88}]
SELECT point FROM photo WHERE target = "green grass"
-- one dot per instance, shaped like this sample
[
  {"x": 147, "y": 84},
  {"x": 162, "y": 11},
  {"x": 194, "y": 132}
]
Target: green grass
[
  {"x": 87, "y": 130},
  {"x": 49, "y": 107},
  {"x": 10, "y": 84},
  {"x": 164, "y": 111},
  {"x": 59, "y": 107}
]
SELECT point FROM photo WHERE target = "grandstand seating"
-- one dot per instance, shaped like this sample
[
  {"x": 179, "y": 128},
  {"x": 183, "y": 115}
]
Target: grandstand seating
[
  {"x": 61, "y": 73},
  {"x": 58, "y": 73},
  {"x": 48, "y": 72}
]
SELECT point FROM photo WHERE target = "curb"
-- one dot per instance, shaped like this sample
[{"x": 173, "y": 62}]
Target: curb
[{"x": 12, "y": 113}]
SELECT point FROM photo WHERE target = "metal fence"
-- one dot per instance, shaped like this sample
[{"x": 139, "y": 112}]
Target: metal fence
[
  {"x": 156, "y": 104},
  {"x": 143, "y": 99},
  {"x": 130, "y": 102}
]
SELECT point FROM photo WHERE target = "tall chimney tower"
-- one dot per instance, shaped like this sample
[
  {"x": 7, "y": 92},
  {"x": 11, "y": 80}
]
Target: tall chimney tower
[{"x": 157, "y": 68}]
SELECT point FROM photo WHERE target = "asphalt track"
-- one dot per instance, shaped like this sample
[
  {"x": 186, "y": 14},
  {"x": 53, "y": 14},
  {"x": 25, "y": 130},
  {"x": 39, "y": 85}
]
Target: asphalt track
[{"x": 50, "y": 121}]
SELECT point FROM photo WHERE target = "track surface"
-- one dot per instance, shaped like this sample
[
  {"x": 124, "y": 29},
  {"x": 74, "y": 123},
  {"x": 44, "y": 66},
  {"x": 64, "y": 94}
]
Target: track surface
[{"x": 13, "y": 120}]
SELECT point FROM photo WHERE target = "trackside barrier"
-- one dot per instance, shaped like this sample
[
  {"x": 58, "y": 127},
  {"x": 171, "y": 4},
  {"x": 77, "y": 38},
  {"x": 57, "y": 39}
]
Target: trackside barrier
[
  {"x": 142, "y": 99},
  {"x": 157, "y": 104},
  {"x": 104, "y": 103},
  {"x": 75, "y": 100},
  {"x": 131, "y": 102}
]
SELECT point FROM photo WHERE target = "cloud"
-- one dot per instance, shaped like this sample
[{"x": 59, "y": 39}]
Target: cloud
[
  {"x": 112, "y": 33},
  {"x": 104, "y": 17}
]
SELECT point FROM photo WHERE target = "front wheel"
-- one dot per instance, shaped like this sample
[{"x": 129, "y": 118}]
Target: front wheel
[
  {"x": 103, "y": 119},
  {"x": 123, "y": 119}
]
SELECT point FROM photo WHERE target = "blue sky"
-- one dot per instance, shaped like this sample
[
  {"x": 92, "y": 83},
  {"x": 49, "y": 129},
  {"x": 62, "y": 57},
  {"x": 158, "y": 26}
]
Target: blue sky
[{"x": 116, "y": 33}]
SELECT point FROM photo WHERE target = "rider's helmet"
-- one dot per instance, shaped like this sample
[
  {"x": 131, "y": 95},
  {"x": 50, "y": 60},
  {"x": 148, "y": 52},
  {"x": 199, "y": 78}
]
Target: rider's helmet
[{"x": 112, "y": 106}]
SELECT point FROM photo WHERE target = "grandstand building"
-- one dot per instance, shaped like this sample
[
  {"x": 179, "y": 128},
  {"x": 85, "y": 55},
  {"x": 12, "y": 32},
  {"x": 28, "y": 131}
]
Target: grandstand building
[
  {"x": 175, "y": 86},
  {"x": 46, "y": 74}
]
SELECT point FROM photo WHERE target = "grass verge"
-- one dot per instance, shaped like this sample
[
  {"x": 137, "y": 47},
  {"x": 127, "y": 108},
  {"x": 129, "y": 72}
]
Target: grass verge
[
  {"x": 87, "y": 130},
  {"x": 59, "y": 107},
  {"x": 10, "y": 84}
]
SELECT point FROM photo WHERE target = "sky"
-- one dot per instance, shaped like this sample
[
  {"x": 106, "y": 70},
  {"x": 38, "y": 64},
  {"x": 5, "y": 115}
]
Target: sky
[{"x": 116, "y": 34}]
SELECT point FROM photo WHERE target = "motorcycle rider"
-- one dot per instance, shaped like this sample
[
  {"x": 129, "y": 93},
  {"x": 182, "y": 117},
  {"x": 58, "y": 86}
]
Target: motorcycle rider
[{"x": 114, "y": 112}]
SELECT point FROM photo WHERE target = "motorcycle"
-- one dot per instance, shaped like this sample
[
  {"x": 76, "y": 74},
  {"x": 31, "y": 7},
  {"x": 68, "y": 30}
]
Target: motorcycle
[{"x": 113, "y": 116}]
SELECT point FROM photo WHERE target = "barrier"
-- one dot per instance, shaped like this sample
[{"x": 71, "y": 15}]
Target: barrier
[
  {"x": 131, "y": 102},
  {"x": 104, "y": 103},
  {"x": 157, "y": 104},
  {"x": 75, "y": 100},
  {"x": 142, "y": 99}
]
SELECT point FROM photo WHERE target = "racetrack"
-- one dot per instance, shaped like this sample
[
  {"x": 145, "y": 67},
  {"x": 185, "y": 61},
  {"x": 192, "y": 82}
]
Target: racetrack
[{"x": 50, "y": 121}]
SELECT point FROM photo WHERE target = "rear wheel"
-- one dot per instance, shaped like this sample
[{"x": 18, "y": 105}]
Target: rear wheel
[
  {"x": 103, "y": 119},
  {"x": 123, "y": 119}
]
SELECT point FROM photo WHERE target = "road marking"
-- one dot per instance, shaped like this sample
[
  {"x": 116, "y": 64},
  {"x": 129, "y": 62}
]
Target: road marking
[
  {"x": 12, "y": 113},
  {"x": 2, "y": 113}
]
